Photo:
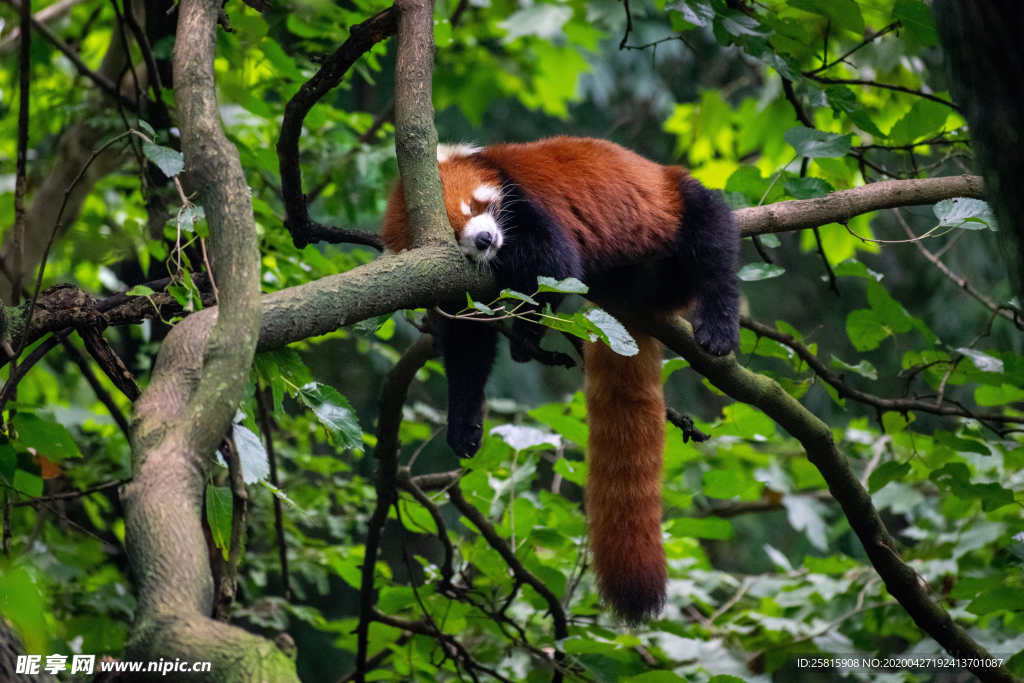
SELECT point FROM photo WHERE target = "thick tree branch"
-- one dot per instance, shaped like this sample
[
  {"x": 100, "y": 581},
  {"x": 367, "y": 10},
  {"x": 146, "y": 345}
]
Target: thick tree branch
[
  {"x": 415, "y": 136},
  {"x": 197, "y": 382},
  {"x": 902, "y": 582},
  {"x": 839, "y": 207}
]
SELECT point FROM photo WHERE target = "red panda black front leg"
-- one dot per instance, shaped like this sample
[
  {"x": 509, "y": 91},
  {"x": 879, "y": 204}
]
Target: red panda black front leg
[{"x": 468, "y": 349}]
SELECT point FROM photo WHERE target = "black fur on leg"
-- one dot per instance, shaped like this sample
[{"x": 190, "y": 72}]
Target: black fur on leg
[
  {"x": 468, "y": 349},
  {"x": 710, "y": 242}
]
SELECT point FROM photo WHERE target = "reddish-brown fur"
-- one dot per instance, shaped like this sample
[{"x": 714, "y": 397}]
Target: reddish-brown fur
[
  {"x": 617, "y": 208},
  {"x": 609, "y": 187},
  {"x": 621, "y": 188},
  {"x": 459, "y": 178},
  {"x": 626, "y": 415}
]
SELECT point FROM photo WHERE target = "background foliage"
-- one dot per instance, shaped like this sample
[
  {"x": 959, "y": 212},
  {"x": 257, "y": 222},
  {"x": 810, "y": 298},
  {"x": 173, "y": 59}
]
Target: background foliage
[{"x": 762, "y": 562}]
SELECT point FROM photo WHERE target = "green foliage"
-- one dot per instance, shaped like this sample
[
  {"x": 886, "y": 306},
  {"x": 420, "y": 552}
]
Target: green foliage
[{"x": 761, "y": 561}]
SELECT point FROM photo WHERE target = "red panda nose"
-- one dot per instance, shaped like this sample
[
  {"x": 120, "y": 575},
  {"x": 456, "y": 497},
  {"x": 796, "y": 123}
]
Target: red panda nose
[{"x": 483, "y": 241}]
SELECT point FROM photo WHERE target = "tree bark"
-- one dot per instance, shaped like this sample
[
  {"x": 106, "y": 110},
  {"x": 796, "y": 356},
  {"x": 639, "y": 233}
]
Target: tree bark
[{"x": 197, "y": 383}]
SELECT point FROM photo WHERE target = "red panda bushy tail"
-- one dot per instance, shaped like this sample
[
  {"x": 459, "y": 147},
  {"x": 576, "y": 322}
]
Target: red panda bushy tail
[{"x": 626, "y": 416}]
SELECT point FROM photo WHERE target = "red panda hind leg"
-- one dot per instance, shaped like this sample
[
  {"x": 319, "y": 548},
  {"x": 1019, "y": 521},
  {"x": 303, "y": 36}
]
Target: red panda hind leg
[{"x": 626, "y": 417}]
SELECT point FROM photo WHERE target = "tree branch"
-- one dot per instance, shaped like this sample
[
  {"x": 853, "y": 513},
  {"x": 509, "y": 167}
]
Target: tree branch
[
  {"x": 109, "y": 87},
  {"x": 197, "y": 382},
  {"x": 1004, "y": 310},
  {"x": 878, "y": 84},
  {"x": 839, "y": 207},
  {"x": 899, "y": 405},
  {"x": 304, "y": 231},
  {"x": 902, "y": 582},
  {"x": 521, "y": 573},
  {"x": 392, "y": 397}
]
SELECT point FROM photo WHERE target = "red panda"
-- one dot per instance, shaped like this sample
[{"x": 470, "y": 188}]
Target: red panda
[{"x": 638, "y": 234}]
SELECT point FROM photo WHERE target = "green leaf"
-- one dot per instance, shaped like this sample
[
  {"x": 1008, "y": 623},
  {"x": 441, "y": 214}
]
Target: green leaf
[
  {"x": 512, "y": 294},
  {"x": 817, "y": 144},
  {"x": 886, "y": 472},
  {"x": 251, "y": 455},
  {"x": 960, "y": 445},
  {"x": 1004, "y": 597},
  {"x": 770, "y": 240},
  {"x": 483, "y": 308},
  {"x": 982, "y": 361},
  {"x": 844, "y": 14},
  {"x": 28, "y": 483},
  {"x": 863, "y": 368},
  {"x": 656, "y": 677},
  {"x": 808, "y": 188},
  {"x": 738, "y": 24},
  {"x": 728, "y": 484},
  {"x": 543, "y": 20},
  {"x": 954, "y": 477},
  {"x": 571, "y": 427},
  {"x": 569, "y": 285},
  {"x": 707, "y": 527},
  {"x": 218, "y": 516},
  {"x": 970, "y": 214},
  {"x": 752, "y": 272},
  {"x": 670, "y": 366},
  {"x": 917, "y": 19},
  {"x": 998, "y": 396},
  {"x": 865, "y": 329},
  {"x": 51, "y": 439},
  {"x": 169, "y": 161},
  {"x": 925, "y": 119},
  {"x": 834, "y": 565},
  {"x": 335, "y": 414},
  {"x": 890, "y": 312},
  {"x": 572, "y": 470},
  {"x": 140, "y": 290},
  {"x": 613, "y": 333},
  {"x": 862, "y": 120},
  {"x": 697, "y": 12},
  {"x": 521, "y": 438},
  {"x": 854, "y": 268},
  {"x": 147, "y": 129}
]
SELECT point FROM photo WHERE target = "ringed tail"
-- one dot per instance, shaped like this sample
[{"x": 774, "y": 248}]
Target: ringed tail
[{"x": 626, "y": 416}]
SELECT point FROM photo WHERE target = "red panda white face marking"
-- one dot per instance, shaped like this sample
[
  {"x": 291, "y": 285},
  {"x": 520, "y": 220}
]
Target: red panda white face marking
[{"x": 481, "y": 237}]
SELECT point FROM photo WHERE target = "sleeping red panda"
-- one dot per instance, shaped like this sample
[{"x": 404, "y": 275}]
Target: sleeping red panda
[{"x": 638, "y": 234}]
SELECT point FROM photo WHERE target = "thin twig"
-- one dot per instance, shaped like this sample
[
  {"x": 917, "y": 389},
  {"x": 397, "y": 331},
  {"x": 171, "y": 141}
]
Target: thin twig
[
  {"x": 393, "y": 396},
  {"x": 1006, "y": 311},
  {"x": 898, "y": 405},
  {"x": 828, "y": 65},
  {"x": 53, "y": 236},
  {"x": 629, "y": 25},
  {"x": 228, "y": 587},
  {"x": 267, "y": 427},
  {"x": 878, "y": 84},
  {"x": 68, "y": 495},
  {"x": 101, "y": 391}
]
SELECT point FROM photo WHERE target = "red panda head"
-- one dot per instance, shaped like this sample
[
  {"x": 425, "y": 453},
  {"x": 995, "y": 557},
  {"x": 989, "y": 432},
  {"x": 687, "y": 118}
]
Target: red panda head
[{"x": 472, "y": 200}]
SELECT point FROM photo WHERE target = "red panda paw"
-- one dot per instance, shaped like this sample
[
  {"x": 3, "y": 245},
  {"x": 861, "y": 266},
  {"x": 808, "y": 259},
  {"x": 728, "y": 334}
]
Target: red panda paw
[
  {"x": 717, "y": 337},
  {"x": 464, "y": 438}
]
